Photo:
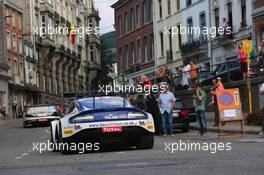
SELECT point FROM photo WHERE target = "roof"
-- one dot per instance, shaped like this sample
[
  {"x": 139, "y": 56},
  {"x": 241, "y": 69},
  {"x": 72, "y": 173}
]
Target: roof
[{"x": 118, "y": 3}]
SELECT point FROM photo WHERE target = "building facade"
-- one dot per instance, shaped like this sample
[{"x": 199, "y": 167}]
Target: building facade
[
  {"x": 55, "y": 62},
  {"x": 134, "y": 38},
  {"x": 258, "y": 19},
  {"x": 14, "y": 54},
  {"x": 239, "y": 15},
  {"x": 4, "y": 67},
  {"x": 167, "y": 20}
]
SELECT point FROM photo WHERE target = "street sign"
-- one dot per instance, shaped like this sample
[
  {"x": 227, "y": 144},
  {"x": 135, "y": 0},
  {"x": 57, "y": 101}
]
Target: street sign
[{"x": 230, "y": 110}]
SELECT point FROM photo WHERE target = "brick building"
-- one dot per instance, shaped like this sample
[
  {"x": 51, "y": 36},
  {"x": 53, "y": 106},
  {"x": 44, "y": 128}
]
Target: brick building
[
  {"x": 14, "y": 52},
  {"x": 134, "y": 38},
  {"x": 258, "y": 19}
]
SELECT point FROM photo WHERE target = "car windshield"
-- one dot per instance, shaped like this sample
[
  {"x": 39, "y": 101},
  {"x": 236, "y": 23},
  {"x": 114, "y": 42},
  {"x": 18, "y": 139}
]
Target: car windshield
[
  {"x": 105, "y": 102},
  {"x": 41, "y": 109}
]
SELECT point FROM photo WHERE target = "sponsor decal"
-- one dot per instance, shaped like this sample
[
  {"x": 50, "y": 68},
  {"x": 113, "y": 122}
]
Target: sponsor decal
[
  {"x": 77, "y": 127},
  {"x": 111, "y": 117},
  {"x": 66, "y": 132},
  {"x": 112, "y": 129},
  {"x": 68, "y": 127}
]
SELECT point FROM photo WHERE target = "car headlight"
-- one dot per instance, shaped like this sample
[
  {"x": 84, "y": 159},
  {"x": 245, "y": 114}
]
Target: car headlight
[
  {"x": 136, "y": 115},
  {"x": 82, "y": 119}
]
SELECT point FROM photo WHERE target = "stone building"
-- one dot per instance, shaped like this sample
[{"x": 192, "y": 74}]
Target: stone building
[{"x": 55, "y": 62}]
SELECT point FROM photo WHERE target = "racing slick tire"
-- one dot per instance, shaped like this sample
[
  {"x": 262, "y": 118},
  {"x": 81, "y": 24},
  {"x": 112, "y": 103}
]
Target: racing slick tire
[
  {"x": 55, "y": 143},
  {"x": 24, "y": 125},
  {"x": 64, "y": 150},
  {"x": 146, "y": 142}
]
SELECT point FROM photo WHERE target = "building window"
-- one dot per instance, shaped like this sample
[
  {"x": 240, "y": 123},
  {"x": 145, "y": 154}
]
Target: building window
[
  {"x": 144, "y": 12},
  {"x": 43, "y": 24},
  {"x": 133, "y": 55},
  {"x": 13, "y": 19},
  {"x": 131, "y": 19},
  {"x": 161, "y": 44},
  {"x": 179, "y": 37},
  {"x": 8, "y": 40},
  {"x": 230, "y": 14},
  {"x": 145, "y": 45},
  {"x": 126, "y": 57},
  {"x": 92, "y": 54},
  {"x": 137, "y": 16},
  {"x": 244, "y": 13},
  {"x": 138, "y": 51},
  {"x": 120, "y": 58},
  {"x": 160, "y": 9},
  {"x": 14, "y": 43},
  {"x": 178, "y": 4},
  {"x": 190, "y": 29},
  {"x": 50, "y": 24},
  {"x": 202, "y": 22},
  {"x": 150, "y": 10},
  {"x": 188, "y": 2},
  {"x": 7, "y": 15},
  {"x": 169, "y": 6},
  {"x": 125, "y": 23},
  {"x": 20, "y": 48},
  {"x": 217, "y": 22},
  {"x": 120, "y": 25},
  {"x": 20, "y": 22},
  {"x": 152, "y": 46}
]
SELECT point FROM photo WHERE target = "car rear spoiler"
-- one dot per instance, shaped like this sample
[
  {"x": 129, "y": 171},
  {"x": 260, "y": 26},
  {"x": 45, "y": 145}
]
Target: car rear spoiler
[{"x": 92, "y": 94}]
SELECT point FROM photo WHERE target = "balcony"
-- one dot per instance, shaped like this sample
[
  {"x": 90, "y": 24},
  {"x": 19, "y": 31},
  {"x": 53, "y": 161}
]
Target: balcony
[
  {"x": 225, "y": 40},
  {"x": 194, "y": 47},
  {"x": 138, "y": 67}
]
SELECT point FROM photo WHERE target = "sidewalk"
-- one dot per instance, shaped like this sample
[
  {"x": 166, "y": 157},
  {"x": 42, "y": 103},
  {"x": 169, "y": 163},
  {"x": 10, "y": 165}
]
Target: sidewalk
[{"x": 234, "y": 127}]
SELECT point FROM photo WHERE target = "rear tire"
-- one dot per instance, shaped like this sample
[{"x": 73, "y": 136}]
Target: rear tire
[
  {"x": 64, "y": 150},
  {"x": 56, "y": 142},
  {"x": 185, "y": 127},
  {"x": 146, "y": 142}
]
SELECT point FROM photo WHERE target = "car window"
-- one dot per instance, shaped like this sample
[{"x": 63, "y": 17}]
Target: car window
[
  {"x": 105, "y": 102},
  {"x": 72, "y": 108},
  {"x": 40, "y": 109}
]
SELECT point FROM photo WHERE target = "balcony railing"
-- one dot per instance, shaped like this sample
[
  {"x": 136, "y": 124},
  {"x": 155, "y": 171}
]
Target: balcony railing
[
  {"x": 68, "y": 53},
  {"x": 169, "y": 55},
  {"x": 193, "y": 45}
]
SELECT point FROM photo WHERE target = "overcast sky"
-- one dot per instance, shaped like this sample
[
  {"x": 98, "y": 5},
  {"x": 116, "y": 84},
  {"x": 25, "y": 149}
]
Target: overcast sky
[{"x": 106, "y": 14}]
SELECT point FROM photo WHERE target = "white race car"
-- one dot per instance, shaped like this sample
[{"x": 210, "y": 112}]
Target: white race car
[{"x": 102, "y": 121}]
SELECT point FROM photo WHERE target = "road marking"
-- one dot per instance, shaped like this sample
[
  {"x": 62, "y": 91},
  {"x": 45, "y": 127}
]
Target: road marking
[
  {"x": 18, "y": 157},
  {"x": 47, "y": 131},
  {"x": 132, "y": 164},
  {"x": 24, "y": 154},
  {"x": 119, "y": 152}
]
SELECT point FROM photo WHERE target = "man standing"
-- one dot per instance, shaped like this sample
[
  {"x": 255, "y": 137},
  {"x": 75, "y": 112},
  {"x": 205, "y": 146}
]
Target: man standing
[
  {"x": 185, "y": 75},
  {"x": 166, "y": 103},
  {"x": 262, "y": 93},
  {"x": 201, "y": 98}
]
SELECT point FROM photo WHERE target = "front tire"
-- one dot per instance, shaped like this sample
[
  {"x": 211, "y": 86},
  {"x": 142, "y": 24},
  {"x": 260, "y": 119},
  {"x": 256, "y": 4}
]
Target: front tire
[{"x": 146, "y": 142}]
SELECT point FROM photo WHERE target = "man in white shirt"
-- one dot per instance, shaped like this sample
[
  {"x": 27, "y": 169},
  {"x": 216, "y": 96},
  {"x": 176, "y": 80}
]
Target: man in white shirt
[
  {"x": 186, "y": 75},
  {"x": 261, "y": 90},
  {"x": 166, "y": 103}
]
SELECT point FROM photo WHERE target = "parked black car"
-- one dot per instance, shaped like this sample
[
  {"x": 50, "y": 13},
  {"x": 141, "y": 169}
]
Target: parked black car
[{"x": 183, "y": 115}]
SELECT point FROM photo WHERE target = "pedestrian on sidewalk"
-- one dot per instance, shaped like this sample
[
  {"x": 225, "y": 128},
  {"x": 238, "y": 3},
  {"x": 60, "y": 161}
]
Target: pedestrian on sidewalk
[
  {"x": 201, "y": 98},
  {"x": 1, "y": 107},
  {"x": 166, "y": 103},
  {"x": 262, "y": 93}
]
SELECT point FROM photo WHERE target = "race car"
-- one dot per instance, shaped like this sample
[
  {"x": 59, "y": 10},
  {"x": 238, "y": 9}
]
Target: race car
[
  {"x": 105, "y": 120},
  {"x": 40, "y": 115}
]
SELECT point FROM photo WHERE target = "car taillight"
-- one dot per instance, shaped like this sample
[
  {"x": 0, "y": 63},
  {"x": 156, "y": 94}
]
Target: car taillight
[{"x": 185, "y": 113}]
